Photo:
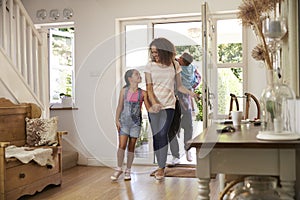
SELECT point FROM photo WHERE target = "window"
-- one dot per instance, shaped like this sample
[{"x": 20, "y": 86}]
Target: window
[
  {"x": 230, "y": 62},
  {"x": 61, "y": 62},
  {"x": 135, "y": 44},
  {"x": 186, "y": 36}
]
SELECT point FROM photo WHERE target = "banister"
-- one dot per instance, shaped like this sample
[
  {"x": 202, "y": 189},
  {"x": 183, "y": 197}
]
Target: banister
[
  {"x": 28, "y": 20},
  {"x": 25, "y": 50}
]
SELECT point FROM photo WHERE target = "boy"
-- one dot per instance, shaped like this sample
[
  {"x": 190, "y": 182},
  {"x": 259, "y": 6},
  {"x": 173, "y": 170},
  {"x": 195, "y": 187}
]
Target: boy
[{"x": 187, "y": 76}]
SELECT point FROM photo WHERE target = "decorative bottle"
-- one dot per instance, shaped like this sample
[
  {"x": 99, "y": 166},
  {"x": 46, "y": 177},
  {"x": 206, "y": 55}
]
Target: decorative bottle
[
  {"x": 256, "y": 187},
  {"x": 277, "y": 106}
]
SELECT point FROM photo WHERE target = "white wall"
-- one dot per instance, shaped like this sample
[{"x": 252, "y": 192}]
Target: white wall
[{"x": 95, "y": 61}]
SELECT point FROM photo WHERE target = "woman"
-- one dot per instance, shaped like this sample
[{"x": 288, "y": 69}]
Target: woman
[{"x": 161, "y": 74}]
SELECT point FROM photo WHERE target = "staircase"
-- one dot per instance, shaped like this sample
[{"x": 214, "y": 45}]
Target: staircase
[
  {"x": 69, "y": 159},
  {"x": 69, "y": 155},
  {"x": 24, "y": 62},
  {"x": 23, "y": 56}
]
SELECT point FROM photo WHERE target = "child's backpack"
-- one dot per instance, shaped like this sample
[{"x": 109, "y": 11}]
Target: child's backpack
[{"x": 197, "y": 79}]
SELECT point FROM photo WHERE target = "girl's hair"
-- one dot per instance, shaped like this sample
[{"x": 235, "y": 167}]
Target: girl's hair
[
  {"x": 128, "y": 74},
  {"x": 165, "y": 49}
]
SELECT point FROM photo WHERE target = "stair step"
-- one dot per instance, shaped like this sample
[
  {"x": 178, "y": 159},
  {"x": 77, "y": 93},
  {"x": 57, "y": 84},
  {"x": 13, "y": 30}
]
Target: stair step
[{"x": 69, "y": 159}]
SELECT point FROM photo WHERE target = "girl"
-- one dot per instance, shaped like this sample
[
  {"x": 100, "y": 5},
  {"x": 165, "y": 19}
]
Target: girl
[
  {"x": 161, "y": 73},
  {"x": 128, "y": 120}
]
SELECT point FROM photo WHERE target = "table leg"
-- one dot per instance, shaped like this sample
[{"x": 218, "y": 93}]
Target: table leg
[
  {"x": 221, "y": 182},
  {"x": 288, "y": 188},
  {"x": 203, "y": 189},
  {"x": 288, "y": 172}
]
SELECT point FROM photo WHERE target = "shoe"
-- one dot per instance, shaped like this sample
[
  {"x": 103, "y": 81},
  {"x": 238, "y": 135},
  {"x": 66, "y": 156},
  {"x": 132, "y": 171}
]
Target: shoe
[
  {"x": 175, "y": 161},
  {"x": 116, "y": 175},
  {"x": 127, "y": 176},
  {"x": 189, "y": 156},
  {"x": 160, "y": 174},
  {"x": 193, "y": 113}
]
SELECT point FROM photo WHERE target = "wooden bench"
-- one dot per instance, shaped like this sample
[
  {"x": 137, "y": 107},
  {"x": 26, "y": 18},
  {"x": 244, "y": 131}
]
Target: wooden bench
[{"x": 16, "y": 178}]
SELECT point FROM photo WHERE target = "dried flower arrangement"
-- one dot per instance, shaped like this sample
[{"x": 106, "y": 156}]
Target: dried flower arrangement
[{"x": 252, "y": 13}]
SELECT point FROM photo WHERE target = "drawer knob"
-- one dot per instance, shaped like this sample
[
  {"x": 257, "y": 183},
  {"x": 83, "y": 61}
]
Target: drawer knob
[{"x": 21, "y": 175}]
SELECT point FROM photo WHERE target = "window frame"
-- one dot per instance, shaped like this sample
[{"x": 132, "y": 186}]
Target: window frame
[{"x": 46, "y": 27}]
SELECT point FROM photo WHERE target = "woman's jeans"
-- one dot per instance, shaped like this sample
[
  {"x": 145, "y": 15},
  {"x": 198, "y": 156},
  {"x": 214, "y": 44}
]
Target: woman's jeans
[{"x": 160, "y": 123}]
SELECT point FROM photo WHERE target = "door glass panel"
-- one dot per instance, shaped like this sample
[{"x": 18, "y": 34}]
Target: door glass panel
[
  {"x": 229, "y": 51},
  {"x": 186, "y": 36},
  {"x": 229, "y": 41},
  {"x": 180, "y": 33},
  {"x": 229, "y": 81}
]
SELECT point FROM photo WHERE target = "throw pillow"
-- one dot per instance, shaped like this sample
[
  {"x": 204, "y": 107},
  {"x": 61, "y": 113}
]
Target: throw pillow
[{"x": 41, "y": 131}]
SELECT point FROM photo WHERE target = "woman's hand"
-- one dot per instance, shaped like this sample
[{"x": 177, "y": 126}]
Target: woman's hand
[{"x": 155, "y": 108}]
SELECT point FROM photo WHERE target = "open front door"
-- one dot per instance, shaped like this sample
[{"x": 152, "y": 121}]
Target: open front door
[{"x": 209, "y": 70}]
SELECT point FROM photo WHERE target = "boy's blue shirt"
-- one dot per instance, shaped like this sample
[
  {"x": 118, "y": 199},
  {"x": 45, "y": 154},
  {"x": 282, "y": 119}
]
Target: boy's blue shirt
[{"x": 187, "y": 76}]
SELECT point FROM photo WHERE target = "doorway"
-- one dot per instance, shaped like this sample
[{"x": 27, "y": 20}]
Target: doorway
[{"x": 185, "y": 34}]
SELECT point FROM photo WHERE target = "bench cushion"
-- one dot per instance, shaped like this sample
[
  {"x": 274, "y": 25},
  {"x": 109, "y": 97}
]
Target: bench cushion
[{"x": 41, "y": 132}]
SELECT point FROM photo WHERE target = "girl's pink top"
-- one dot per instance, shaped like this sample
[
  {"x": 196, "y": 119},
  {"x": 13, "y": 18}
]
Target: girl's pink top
[{"x": 133, "y": 97}]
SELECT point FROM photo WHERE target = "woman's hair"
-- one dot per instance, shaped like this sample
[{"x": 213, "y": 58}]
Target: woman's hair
[
  {"x": 165, "y": 49},
  {"x": 128, "y": 74}
]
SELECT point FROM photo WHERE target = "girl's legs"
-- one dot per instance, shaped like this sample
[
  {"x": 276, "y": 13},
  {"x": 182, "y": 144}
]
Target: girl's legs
[
  {"x": 121, "y": 150},
  {"x": 120, "y": 156},
  {"x": 130, "y": 157},
  {"x": 130, "y": 152}
]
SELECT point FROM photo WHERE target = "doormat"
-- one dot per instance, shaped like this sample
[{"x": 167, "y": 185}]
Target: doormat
[{"x": 179, "y": 170}]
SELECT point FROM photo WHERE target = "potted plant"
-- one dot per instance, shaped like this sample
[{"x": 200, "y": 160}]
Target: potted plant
[{"x": 66, "y": 100}]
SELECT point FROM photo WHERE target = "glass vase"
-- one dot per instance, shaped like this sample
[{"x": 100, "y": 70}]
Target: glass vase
[
  {"x": 257, "y": 187},
  {"x": 277, "y": 106}
]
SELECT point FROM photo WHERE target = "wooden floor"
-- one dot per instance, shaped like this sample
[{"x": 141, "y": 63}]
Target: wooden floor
[{"x": 93, "y": 183}]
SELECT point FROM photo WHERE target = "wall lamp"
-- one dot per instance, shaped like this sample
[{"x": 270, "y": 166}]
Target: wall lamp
[
  {"x": 54, "y": 14},
  {"x": 68, "y": 13},
  {"x": 41, "y": 14}
]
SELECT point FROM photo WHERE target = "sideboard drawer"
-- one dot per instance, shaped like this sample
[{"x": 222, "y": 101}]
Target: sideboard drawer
[{"x": 27, "y": 173}]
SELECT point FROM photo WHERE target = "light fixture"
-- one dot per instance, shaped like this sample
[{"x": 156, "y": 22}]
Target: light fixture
[
  {"x": 68, "y": 13},
  {"x": 194, "y": 32},
  {"x": 41, "y": 14},
  {"x": 54, "y": 14}
]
